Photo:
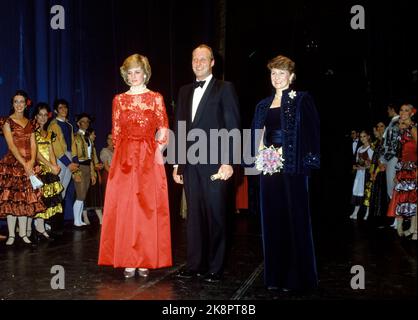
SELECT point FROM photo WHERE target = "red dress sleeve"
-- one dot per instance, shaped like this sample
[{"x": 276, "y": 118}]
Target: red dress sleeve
[
  {"x": 162, "y": 120},
  {"x": 116, "y": 109}
]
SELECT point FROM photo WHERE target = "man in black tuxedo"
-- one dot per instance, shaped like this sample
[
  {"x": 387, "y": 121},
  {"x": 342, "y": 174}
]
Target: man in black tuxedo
[
  {"x": 207, "y": 104},
  {"x": 355, "y": 144},
  {"x": 349, "y": 160}
]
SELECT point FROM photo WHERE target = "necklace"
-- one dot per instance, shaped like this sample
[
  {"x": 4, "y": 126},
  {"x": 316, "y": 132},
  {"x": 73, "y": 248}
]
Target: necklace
[{"x": 138, "y": 89}]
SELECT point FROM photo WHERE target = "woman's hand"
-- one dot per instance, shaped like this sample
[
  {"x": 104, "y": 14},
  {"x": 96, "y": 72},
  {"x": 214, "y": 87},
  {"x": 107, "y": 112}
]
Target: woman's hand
[
  {"x": 28, "y": 166},
  {"x": 55, "y": 169}
]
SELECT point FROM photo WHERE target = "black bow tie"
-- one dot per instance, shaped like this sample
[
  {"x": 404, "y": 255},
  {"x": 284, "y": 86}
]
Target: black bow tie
[{"x": 197, "y": 84}]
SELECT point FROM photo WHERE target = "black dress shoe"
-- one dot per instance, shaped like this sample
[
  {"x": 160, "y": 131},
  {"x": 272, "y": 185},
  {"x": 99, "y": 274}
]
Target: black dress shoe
[
  {"x": 273, "y": 288},
  {"x": 212, "y": 278},
  {"x": 187, "y": 274},
  {"x": 42, "y": 236}
]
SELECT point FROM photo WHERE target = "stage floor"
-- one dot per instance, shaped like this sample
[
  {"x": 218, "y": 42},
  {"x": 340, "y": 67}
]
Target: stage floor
[{"x": 390, "y": 266}]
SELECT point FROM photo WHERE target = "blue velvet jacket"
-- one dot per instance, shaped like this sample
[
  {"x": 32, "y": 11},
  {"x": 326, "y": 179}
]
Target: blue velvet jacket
[{"x": 301, "y": 133}]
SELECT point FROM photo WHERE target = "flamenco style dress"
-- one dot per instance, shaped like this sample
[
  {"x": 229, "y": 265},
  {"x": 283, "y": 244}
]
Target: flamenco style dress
[
  {"x": 404, "y": 198},
  {"x": 136, "y": 220},
  {"x": 289, "y": 256},
  {"x": 17, "y": 197},
  {"x": 52, "y": 188}
]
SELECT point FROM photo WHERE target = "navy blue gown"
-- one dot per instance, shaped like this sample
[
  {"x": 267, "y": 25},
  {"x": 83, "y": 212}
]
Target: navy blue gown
[
  {"x": 289, "y": 260},
  {"x": 289, "y": 255}
]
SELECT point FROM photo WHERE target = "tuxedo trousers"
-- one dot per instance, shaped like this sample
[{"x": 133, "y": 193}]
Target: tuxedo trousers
[{"x": 207, "y": 205}]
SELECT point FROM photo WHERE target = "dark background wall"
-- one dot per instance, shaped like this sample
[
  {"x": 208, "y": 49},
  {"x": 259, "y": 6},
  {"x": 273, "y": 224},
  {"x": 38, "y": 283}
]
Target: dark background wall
[{"x": 352, "y": 74}]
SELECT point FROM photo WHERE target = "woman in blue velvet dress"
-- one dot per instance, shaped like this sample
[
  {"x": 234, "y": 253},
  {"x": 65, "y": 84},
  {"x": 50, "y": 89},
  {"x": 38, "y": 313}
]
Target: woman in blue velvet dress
[{"x": 288, "y": 119}]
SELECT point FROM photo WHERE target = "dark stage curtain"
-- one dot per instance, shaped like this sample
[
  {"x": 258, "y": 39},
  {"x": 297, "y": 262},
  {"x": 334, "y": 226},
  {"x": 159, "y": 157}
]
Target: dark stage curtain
[{"x": 81, "y": 62}]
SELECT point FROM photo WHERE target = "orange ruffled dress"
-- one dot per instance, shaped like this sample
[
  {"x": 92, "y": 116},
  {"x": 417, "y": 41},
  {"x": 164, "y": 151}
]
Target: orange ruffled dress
[
  {"x": 17, "y": 197},
  {"x": 136, "y": 220}
]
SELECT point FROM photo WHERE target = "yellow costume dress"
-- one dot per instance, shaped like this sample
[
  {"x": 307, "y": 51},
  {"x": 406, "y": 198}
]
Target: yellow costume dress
[{"x": 52, "y": 188}]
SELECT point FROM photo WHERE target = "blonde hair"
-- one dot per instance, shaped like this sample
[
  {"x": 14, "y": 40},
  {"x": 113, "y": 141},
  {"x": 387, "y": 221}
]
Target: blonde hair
[
  {"x": 136, "y": 61},
  {"x": 282, "y": 63},
  {"x": 204, "y": 46}
]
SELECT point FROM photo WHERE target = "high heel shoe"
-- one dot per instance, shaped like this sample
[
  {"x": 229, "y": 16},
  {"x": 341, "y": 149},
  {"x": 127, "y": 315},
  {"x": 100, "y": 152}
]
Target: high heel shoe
[
  {"x": 129, "y": 273},
  {"x": 143, "y": 272}
]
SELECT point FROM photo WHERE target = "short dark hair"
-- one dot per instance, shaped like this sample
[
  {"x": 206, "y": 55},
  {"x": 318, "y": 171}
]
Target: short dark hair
[
  {"x": 57, "y": 102},
  {"x": 394, "y": 107}
]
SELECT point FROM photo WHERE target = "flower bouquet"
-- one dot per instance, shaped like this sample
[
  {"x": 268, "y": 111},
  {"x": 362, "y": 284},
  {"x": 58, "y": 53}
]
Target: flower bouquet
[{"x": 269, "y": 160}]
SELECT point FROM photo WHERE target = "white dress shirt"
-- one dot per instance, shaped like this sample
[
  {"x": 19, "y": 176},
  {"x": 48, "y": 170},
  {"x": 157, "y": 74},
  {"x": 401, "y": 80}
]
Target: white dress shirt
[
  {"x": 198, "y": 94},
  {"x": 355, "y": 142},
  {"x": 89, "y": 150}
]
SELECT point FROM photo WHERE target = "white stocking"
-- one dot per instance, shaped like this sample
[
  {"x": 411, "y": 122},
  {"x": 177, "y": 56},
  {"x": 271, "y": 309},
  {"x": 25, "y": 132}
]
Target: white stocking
[
  {"x": 99, "y": 214},
  {"x": 29, "y": 227},
  {"x": 78, "y": 211},
  {"x": 40, "y": 225},
  {"x": 367, "y": 213},
  {"x": 22, "y": 228},
  {"x": 11, "y": 225},
  {"x": 354, "y": 215}
]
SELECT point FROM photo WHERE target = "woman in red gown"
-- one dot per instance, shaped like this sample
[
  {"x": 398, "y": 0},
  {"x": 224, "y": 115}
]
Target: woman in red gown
[{"x": 136, "y": 220}]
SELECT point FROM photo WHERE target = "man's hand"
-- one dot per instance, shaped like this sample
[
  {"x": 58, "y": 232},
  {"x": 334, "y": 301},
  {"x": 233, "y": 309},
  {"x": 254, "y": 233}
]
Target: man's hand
[
  {"x": 177, "y": 178},
  {"x": 225, "y": 172},
  {"x": 73, "y": 166}
]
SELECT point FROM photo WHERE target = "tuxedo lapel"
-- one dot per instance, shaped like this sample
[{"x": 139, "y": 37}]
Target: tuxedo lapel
[
  {"x": 202, "y": 103},
  {"x": 189, "y": 99}
]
